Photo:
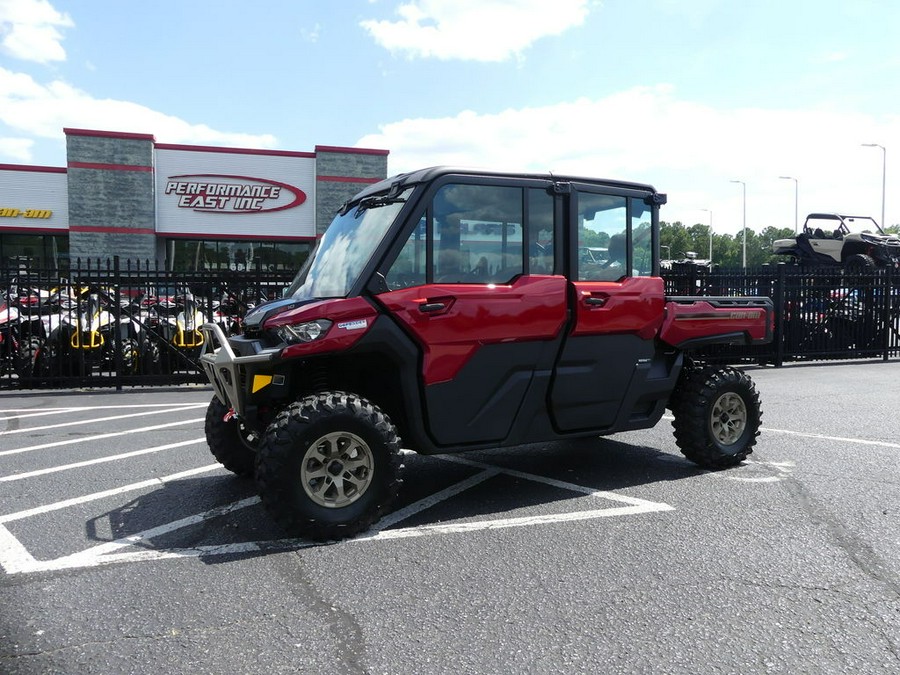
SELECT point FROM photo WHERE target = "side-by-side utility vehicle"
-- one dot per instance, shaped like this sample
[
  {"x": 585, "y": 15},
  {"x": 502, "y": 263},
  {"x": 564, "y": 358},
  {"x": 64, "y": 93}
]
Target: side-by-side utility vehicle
[
  {"x": 453, "y": 309},
  {"x": 856, "y": 242}
]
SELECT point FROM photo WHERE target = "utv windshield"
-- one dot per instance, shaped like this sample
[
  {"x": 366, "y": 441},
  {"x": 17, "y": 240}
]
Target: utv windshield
[{"x": 346, "y": 247}]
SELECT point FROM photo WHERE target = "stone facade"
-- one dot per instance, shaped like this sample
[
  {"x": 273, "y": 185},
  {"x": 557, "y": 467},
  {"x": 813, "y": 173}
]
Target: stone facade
[
  {"x": 111, "y": 195},
  {"x": 112, "y": 201},
  {"x": 340, "y": 174}
]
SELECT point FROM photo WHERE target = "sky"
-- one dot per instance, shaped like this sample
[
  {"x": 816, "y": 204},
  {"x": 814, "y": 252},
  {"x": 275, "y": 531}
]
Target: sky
[{"x": 687, "y": 95}]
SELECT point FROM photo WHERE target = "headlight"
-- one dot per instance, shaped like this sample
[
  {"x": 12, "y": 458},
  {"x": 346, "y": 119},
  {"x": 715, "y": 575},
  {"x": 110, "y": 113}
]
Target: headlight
[{"x": 303, "y": 332}]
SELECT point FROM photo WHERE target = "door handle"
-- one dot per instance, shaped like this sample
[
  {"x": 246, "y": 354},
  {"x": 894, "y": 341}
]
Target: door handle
[
  {"x": 432, "y": 306},
  {"x": 594, "y": 301}
]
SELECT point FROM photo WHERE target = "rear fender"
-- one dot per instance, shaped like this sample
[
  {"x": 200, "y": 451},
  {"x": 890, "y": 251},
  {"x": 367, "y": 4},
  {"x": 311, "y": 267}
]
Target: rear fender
[{"x": 692, "y": 322}]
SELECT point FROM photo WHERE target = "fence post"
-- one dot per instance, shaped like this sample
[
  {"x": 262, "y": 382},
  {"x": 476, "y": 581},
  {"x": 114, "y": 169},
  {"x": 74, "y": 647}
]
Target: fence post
[
  {"x": 887, "y": 301},
  {"x": 117, "y": 339},
  {"x": 779, "y": 317}
]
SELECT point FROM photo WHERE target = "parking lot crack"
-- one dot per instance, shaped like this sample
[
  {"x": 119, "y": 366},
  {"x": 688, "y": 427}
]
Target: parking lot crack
[
  {"x": 860, "y": 553},
  {"x": 342, "y": 624}
]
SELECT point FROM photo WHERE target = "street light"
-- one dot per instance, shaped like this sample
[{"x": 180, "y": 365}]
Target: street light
[
  {"x": 709, "y": 211},
  {"x": 796, "y": 190},
  {"x": 744, "y": 186},
  {"x": 883, "y": 174}
]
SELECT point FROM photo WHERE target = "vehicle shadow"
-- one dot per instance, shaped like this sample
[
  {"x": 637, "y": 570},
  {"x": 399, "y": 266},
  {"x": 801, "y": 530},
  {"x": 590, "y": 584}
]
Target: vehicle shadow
[{"x": 219, "y": 517}]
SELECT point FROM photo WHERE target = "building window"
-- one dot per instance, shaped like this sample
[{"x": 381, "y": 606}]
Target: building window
[
  {"x": 190, "y": 255},
  {"x": 46, "y": 251}
]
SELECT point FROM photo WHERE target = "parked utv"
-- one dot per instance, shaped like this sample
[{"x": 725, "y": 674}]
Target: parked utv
[
  {"x": 453, "y": 309},
  {"x": 856, "y": 242},
  {"x": 82, "y": 330}
]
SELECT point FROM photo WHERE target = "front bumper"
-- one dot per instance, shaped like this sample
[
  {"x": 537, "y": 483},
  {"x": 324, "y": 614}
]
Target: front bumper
[{"x": 227, "y": 372}]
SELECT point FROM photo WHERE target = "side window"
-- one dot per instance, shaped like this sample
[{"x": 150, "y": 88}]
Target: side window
[
  {"x": 602, "y": 237},
  {"x": 409, "y": 267},
  {"x": 475, "y": 235},
  {"x": 540, "y": 232},
  {"x": 476, "y": 232},
  {"x": 642, "y": 238}
]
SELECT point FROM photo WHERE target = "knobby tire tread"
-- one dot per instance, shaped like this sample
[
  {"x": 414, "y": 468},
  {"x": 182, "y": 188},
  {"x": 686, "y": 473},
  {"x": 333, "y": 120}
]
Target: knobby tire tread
[
  {"x": 696, "y": 391},
  {"x": 225, "y": 442},
  {"x": 288, "y": 436}
]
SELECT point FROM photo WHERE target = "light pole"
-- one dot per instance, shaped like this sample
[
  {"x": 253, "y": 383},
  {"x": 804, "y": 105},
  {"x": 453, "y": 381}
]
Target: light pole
[
  {"x": 796, "y": 191},
  {"x": 883, "y": 175},
  {"x": 709, "y": 211},
  {"x": 744, "y": 186}
]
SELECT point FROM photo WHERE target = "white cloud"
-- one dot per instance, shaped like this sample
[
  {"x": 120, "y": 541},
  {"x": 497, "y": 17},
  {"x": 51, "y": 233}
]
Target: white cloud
[
  {"x": 311, "y": 34},
  {"x": 43, "y": 110},
  {"x": 687, "y": 149},
  {"x": 29, "y": 30},
  {"x": 18, "y": 149},
  {"x": 474, "y": 30}
]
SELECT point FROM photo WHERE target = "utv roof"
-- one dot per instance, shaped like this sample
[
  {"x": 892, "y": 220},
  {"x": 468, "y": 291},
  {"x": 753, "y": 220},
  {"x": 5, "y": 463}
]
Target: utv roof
[
  {"x": 430, "y": 173},
  {"x": 835, "y": 216}
]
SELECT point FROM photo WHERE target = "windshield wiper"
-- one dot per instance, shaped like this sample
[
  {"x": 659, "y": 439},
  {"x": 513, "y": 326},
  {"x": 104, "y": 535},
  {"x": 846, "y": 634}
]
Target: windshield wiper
[{"x": 372, "y": 202}]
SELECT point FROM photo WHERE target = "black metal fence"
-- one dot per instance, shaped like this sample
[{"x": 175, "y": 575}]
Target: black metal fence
[
  {"x": 106, "y": 324},
  {"x": 114, "y": 325},
  {"x": 821, "y": 313}
]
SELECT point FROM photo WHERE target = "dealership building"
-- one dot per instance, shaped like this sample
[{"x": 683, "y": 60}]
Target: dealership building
[{"x": 184, "y": 207}]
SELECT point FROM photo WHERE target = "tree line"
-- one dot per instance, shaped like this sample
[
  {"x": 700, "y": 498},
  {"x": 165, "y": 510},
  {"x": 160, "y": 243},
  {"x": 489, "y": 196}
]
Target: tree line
[{"x": 677, "y": 240}]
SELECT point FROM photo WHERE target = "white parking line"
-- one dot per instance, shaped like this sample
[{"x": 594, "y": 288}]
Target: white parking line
[
  {"x": 161, "y": 411},
  {"x": 840, "y": 439},
  {"x": 88, "y": 439},
  {"x": 99, "y": 460},
  {"x": 821, "y": 437},
  {"x": 152, "y": 482},
  {"x": 15, "y": 559},
  {"x": 21, "y": 413}
]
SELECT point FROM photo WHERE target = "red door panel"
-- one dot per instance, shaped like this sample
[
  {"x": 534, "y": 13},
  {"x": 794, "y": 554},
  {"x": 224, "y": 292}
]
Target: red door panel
[
  {"x": 453, "y": 321},
  {"x": 634, "y": 305},
  {"x": 615, "y": 326}
]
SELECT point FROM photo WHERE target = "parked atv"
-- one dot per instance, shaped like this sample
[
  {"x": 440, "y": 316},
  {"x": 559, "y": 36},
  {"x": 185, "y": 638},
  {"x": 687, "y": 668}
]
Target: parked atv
[
  {"x": 427, "y": 313},
  {"x": 84, "y": 332},
  {"x": 856, "y": 242},
  {"x": 18, "y": 348},
  {"x": 173, "y": 328}
]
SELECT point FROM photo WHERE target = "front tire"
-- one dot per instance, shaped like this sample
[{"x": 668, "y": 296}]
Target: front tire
[
  {"x": 329, "y": 466},
  {"x": 232, "y": 444},
  {"x": 717, "y": 416}
]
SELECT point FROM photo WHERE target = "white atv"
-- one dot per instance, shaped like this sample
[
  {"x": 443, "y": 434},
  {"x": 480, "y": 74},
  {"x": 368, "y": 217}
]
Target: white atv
[{"x": 832, "y": 239}]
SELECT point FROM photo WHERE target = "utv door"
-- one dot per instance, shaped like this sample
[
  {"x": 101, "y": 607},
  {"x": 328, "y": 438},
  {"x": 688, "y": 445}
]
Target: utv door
[
  {"x": 604, "y": 374},
  {"x": 474, "y": 287}
]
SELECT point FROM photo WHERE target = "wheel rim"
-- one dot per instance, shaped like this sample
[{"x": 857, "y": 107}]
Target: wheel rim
[
  {"x": 249, "y": 437},
  {"x": 337, "y": 469},
  {"x": 729, "y": 418}
]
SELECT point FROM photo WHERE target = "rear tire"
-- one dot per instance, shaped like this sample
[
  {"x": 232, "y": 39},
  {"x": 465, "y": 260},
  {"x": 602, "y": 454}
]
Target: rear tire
[
  {"x": 717, "y": 416},
  {"x": 30, "y": 355},
  {"x": 329, "y": 466},
  {"x": 150, "y": 361},
  {"x": 860, "y": 261},
  {"x": 232, "y": 444},
  {"x": 131, "y": 355}
]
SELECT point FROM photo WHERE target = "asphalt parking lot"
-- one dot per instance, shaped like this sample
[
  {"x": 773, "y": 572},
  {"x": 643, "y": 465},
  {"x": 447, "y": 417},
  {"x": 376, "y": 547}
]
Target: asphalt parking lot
[{"x": 125, "y": 548}]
